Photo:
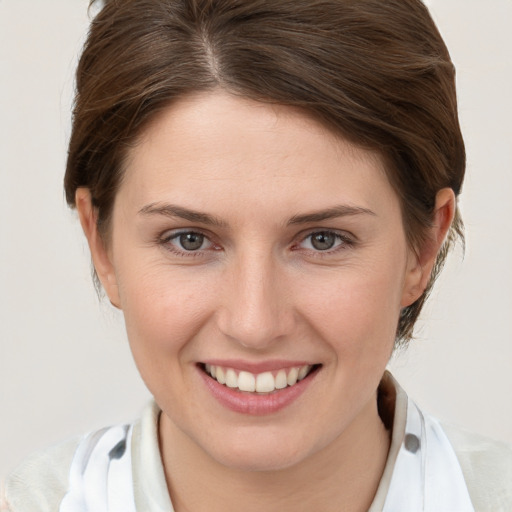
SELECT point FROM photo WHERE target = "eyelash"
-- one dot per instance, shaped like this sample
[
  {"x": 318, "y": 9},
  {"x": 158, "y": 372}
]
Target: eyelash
[
  {"x": 167, "y": 238},
  {"x": 345, "y": 241}
]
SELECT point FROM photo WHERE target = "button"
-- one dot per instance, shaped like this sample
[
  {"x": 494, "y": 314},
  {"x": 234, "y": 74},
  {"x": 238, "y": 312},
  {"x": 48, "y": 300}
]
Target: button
[{"x": 411, "y": 443}]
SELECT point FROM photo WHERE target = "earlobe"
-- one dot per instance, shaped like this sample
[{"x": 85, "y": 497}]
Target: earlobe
[
  {"x": 422, "y": 259},
  {"x": 100, "y": 256}
]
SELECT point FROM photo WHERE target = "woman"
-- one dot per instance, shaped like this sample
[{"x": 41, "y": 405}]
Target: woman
[{"x": 266, "y": 188}]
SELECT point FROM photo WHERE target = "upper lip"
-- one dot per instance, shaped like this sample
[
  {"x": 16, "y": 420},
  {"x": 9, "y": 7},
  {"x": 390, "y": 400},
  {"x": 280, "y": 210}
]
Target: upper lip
[{"x": 257, "y": 367}]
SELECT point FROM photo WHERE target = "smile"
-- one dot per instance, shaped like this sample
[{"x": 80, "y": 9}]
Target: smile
[
  {"x": 261, "y": 383},
  {"x": 257, "y": 388}
]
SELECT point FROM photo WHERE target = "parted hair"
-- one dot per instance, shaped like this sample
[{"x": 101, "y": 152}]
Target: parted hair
[{"x": 375, "y": 72}]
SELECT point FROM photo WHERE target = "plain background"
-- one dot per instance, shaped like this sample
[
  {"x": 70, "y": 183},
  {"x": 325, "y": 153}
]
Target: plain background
[{"x": 65, "y": 367}]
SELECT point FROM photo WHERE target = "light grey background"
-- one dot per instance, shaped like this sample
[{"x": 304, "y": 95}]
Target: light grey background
[{"x": 65, "y": 366}]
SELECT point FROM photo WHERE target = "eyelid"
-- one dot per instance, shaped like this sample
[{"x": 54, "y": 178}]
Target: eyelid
[
  {"x": 169, "y": 234},
  {"x": 347, "y": 239},
  {"x": 167, "y": 237}
]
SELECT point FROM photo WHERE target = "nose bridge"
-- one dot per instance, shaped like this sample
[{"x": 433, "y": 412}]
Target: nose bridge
[{"x": 255, "y": 311}]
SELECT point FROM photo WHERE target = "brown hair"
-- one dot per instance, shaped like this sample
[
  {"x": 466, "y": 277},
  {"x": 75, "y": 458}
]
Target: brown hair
[{"x": 377, "y": 72}]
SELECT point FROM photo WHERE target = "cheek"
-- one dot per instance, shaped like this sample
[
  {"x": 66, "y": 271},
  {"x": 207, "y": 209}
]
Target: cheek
[
  {"x": 164, "y": 308},
  {"x": 355, "y": 309}
]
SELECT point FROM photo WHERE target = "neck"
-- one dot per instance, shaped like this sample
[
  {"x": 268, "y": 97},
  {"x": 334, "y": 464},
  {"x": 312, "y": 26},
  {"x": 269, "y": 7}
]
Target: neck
[{"x": 343, "y": 476}]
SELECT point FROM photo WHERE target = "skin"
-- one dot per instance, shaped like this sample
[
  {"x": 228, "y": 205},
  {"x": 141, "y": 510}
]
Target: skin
[{"x": 258, "y": 290}]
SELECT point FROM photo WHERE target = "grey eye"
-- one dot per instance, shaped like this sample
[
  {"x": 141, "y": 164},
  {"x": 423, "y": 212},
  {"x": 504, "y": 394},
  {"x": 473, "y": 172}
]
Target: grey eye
[
  {"x": 191, "y": 241},
  {"x": 323, "y": 240}
]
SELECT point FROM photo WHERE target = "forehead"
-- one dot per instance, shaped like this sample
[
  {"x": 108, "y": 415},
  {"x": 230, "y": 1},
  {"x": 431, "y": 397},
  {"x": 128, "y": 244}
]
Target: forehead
[{"x": 216, "y": 147}]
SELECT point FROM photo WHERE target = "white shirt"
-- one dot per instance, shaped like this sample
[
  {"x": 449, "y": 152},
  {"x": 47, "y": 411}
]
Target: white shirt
[{"x": 430, "y": 468}]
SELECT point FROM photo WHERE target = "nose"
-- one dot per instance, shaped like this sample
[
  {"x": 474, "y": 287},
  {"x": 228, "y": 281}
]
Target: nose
[{"x": 255, "y": 309}]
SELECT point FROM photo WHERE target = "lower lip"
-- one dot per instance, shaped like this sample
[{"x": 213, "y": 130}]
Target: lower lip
[{"x": 254, "y": 404}]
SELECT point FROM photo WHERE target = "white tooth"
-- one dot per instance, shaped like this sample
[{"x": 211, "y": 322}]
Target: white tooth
[
  {"x": 207, "y": 367},
  {"x": 292, "y": 376},
  {"x": 265, "y": 382},
  {"x": 303, "y": 371},
  {"x": 246, "y": 381},
  {"x": 213, "y": 371},
  {"x": 281, "y": 382},
  {"x": 220, "y": 375},
  {"x": 231, "y": 378}
]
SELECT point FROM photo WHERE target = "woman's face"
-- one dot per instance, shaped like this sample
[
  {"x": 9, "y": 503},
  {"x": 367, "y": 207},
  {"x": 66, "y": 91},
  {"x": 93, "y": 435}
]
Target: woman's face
[{"x": 250, "y": 242}]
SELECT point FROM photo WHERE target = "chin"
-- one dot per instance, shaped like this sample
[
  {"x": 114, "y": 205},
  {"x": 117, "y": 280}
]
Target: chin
[
  {"x": 253, "y": 452},
  {"x": 257, "y": 460}
]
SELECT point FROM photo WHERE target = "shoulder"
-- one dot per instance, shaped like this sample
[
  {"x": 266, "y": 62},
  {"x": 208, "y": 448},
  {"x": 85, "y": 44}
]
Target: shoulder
[
  {"x": 69, "y": 473},
  {"x": 41, "y": 481},
  {"x": 487, "y": 468}
]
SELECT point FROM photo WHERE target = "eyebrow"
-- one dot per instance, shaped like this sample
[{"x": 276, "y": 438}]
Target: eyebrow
[
  {"x": 330, "y": 213},
  {"x": 173, "y": 211}
]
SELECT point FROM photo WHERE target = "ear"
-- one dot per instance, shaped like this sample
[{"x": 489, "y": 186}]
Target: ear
[
  {"x": 100, "y": 256},
  {"x": 423, "y": 258}
]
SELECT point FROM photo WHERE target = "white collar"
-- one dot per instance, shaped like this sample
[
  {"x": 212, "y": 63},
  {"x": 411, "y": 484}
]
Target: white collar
[
  {"x": 427, "y": 476},
  {"x": 422, "y": 473}
]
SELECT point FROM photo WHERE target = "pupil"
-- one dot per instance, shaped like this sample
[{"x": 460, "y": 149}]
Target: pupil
[
  {"x": 191, "y": 241},
  {"x": 323, "y": 241}
]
